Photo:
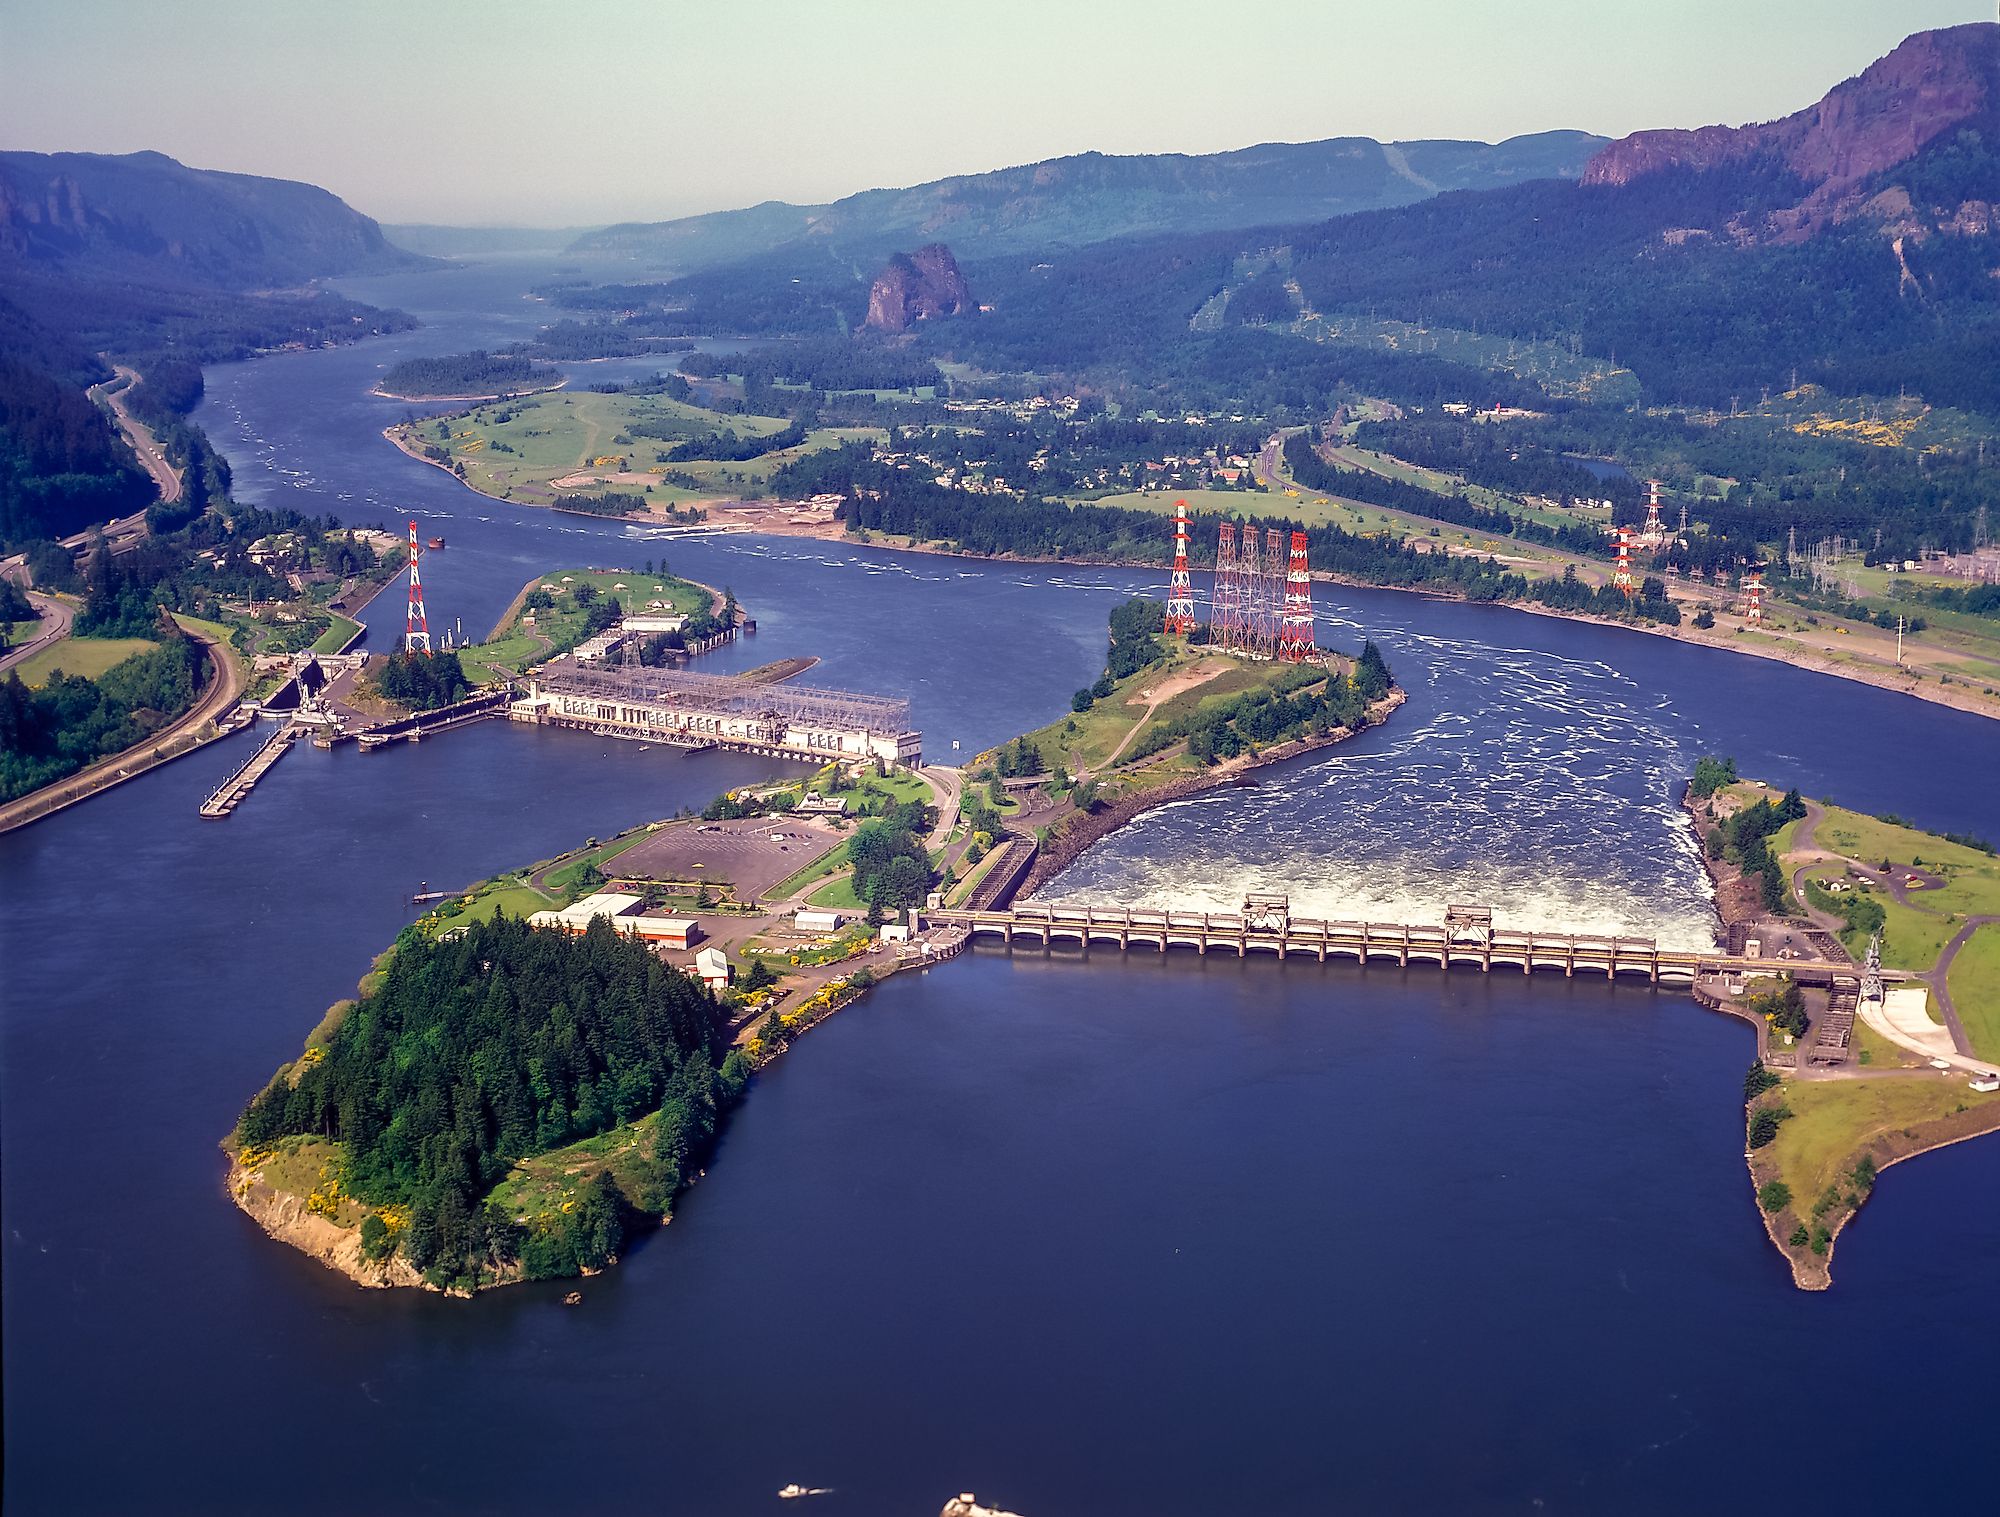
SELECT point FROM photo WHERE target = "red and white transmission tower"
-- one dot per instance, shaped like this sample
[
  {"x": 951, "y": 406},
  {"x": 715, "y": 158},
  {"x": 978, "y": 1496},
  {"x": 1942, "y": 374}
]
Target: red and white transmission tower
[
  {"x": 1622, "y": 579},
  {"x": 1180, "y": 590},
  {"x": 1753, "y": 587},
  {"x": 1295, "y": 640},
  {"x": 1225, "y": 622},
  {"x": 418, "y": 633}
]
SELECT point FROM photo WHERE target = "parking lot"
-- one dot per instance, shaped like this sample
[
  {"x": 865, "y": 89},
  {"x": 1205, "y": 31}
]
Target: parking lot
[{"x": 751, "y": 854}]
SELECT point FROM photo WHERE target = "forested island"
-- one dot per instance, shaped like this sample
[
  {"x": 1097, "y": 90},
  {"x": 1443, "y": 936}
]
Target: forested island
[
  {"x": 402, "y": 1145},
  {"x": 478, "y": 375}
]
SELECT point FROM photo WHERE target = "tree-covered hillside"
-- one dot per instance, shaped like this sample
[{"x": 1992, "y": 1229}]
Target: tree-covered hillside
[{"x": 482, "y": 1050}]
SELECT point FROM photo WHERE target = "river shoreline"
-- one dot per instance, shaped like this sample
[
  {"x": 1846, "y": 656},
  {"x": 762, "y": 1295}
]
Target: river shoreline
[
  {"x": 424, "y": 400},
  {"x": 1966, "y": 698},
  {"x": 1085, "y": 829}
]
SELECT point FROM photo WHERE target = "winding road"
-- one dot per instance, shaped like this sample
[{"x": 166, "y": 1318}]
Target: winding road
[{"x": 56, "y": 617}]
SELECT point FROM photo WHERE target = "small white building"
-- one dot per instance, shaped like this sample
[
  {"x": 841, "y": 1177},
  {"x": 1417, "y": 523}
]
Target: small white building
[
  {"x": 812, "y": 803},
  {"x": 809, "y": 920},
  {"x": 711, "y": 967},
  {"x": 895, "y": 932}
]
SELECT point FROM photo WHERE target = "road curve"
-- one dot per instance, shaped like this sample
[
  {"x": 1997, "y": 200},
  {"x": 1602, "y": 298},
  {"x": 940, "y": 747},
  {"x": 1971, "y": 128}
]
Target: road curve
[
  {"x": 56, "y": 618},
  {"x": 225, "y": 688}
]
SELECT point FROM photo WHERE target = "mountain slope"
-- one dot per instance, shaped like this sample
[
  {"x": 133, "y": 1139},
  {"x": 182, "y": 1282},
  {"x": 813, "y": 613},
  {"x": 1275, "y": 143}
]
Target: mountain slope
[
  {"x": 162, "y": 267},
  {"x": 1885, "y": 116},
  {"x": 146, "y": 216},
  {"x": 1088, "y": 197},
  {"x": 1714, "y": 266}
]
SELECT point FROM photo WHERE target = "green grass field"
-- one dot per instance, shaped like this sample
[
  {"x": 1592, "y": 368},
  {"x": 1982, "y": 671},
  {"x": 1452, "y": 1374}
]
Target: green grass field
[
  {"x": 1088, "y": 740},
  {"x": 547, "y": 1183},
  {"x": 1912, "y": 935},
  {"x": 517, "y": 450},
  {"x": 86, "y": 657},
  {"x": 1975, "y": 990},
  {"x": 838, "y": 896},
  {"x": 515, "y": 646},
  {"x": 819, "y": 869},
  {"x": 1832, "y": 1120},
  {"x": 335, "y": 637}
]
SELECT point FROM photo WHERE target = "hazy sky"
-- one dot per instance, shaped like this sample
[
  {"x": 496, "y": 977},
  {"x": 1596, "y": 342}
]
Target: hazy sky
[{"x": 538, "y": 113}]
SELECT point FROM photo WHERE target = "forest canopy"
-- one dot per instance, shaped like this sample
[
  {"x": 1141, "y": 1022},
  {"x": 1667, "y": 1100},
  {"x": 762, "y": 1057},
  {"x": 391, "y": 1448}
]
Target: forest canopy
[{"x": 476, "y": 1052}]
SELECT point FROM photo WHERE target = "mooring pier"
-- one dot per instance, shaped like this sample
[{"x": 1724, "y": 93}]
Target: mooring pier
[{"x": 230, "y": 793}]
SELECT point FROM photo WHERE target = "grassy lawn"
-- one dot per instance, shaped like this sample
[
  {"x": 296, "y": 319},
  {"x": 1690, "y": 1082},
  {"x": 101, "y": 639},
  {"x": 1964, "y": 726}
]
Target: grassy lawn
[
  {"x": 1975, "y": 990},
  {"x": 86, "y": 657},
  {"x": 564, "y": 880},
  {"x": 896, "y": 787},
  {"x": 514, "y": 646},
  {"x": 838, "y": 896},
  {"x": 335, "y": 637},
  {"x": 1832, "y": 1120},
  {"x": 817, "y": 870},
  {"x": 1087, "y": 740},
  {"x": 548, "y": 1183},
  {"x": 1913, "y": 935},
  {"x": 516, "y": 900}
]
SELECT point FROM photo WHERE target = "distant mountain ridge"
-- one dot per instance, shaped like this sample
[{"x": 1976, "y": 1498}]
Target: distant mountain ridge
[
  {"x": 151, "y": 218},
  {"x": 1090, "y": 197}
]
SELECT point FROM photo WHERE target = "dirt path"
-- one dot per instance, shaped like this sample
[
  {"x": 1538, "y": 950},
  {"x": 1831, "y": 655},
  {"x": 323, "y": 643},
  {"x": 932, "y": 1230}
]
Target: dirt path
[{"x": 1168, "y": 688}]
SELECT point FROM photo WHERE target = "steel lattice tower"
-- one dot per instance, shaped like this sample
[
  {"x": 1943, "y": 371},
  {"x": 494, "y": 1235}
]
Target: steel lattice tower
[
  {"x": 417, "y": 634},
  {"x": 1655, "y": 528},
  {"x": 1249, "y": 579},
  {"x": 1271, "y": 603},
  {"x": 1295, "y": 639},
  {"x": 1224, "y": 629},
  {"x": 1180, "y": 590},
  {"x": 1753, "y": 587},
  {"x": 1621, "y": 579}
]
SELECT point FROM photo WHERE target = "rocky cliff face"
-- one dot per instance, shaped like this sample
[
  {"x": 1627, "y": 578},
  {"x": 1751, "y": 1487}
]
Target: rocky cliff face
[
  {"x": 917, "y": 287},
  {"x": 1932, "y": 83}
]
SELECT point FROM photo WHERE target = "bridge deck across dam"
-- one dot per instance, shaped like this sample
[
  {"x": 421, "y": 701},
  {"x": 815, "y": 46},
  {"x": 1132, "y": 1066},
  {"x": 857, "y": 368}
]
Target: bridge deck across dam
[{"x": 1481, "y": 945}]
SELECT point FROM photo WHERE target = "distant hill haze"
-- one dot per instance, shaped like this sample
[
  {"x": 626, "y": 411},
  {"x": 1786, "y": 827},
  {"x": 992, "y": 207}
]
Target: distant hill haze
[
  {"x": 1932, "y": 84},
  {"x": 915, "y": 287},
  {"x": 1088, "y": 197},
  {"x": 146, "y": 216}
]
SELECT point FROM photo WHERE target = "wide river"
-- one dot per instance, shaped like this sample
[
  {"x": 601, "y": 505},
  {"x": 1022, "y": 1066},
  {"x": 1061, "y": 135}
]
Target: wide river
[{"x": 1086, "y": 1237}]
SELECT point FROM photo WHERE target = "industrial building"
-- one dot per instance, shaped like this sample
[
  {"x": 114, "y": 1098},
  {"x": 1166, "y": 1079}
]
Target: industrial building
[
  {"x": 722, "y": 711},
  {"x": 625, "y": 913}
]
